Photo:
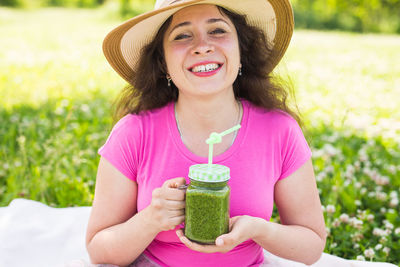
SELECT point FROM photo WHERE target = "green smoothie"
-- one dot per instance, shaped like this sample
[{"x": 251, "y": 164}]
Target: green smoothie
[{"x": 207, "y": 204}]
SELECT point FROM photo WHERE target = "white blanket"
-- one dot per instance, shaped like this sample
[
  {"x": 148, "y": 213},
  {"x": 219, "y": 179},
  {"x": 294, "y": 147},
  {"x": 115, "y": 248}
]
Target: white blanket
[{"x": 35, "y": 235}]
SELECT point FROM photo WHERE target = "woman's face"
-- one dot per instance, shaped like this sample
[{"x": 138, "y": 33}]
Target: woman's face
[{"x": 201, "y": 50}]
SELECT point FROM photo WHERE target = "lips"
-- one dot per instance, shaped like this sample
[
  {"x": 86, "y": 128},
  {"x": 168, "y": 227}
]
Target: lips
[{"x": 206, "y": 68}]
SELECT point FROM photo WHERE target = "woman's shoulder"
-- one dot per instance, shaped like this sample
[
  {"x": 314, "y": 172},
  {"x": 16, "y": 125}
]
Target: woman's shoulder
[
  {"x": 132, "y": 122},
  {"x": 143, "y": 116},
  {"x": 275, "y": 117}
]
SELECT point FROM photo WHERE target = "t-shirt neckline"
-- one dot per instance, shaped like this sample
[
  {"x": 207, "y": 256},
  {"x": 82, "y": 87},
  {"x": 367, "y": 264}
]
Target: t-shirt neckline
[{"x": 174, "y": 132}]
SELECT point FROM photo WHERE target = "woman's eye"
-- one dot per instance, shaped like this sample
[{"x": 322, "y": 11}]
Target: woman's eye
[
  {"x": 218, "y": 31},
  {"x": 181, "y": 36}
]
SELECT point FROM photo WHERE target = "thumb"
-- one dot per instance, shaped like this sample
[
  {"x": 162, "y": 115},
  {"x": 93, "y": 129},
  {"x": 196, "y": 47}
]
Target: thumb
[
  {"x": 224, "y": 239},
  {"x": 219, "y": 241}
]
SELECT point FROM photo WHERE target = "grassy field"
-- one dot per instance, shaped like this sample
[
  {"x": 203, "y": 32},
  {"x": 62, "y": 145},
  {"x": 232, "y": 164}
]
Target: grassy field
[{"x": 57, "y": 90}]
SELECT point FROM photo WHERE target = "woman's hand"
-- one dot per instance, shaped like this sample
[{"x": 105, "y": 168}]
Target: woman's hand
[
  {"x": 240, "y": 230},
  {"x": 167, "y": 208}
]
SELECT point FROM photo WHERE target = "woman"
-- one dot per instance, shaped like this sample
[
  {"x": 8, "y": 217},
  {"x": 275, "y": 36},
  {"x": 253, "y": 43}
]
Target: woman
[{"x": 198, "y": 67}]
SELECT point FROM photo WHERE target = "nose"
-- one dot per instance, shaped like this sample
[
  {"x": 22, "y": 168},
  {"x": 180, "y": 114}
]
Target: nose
[{"x": 202, "y": 46}]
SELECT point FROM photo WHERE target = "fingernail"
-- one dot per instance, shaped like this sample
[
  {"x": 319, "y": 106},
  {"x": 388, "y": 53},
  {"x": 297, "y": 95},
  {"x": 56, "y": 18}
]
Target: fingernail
[
  {"x": 183, "y": 187},
  {"x": 219, "y": 242}
]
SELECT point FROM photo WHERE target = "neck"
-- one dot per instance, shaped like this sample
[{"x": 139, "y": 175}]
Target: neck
[
  {"x": 197, "y": 119},
  {"x": 207, "y": 115}
]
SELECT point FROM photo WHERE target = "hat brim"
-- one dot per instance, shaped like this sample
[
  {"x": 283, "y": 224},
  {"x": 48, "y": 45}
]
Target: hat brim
[{"x": 122, "y": 47}]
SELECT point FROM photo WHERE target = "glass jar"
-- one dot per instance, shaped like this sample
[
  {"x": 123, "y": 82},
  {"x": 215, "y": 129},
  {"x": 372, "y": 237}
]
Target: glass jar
[{"x": 207, "y": 203}]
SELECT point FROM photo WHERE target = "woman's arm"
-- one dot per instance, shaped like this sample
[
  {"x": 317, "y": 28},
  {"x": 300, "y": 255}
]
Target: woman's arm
[
  {"x": 300, "y": 237},
  {"x": 116, "y": 233}
]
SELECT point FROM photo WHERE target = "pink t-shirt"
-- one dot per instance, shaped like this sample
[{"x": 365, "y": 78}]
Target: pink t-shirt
[{"x": 147, "y": 149}]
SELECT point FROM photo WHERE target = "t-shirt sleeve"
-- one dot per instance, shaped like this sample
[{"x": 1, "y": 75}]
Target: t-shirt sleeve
[
  {"x": 121, "y": 147},
  {"x": 295, "y": 150}
]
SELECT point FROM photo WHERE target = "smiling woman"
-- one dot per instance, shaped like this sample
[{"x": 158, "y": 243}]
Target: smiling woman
[{"x": 197, "y": 67}]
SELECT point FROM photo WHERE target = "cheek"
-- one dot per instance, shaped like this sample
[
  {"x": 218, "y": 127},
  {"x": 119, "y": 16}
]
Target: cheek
[
  {"x": 232, "y": 49},
  {"x": 174, "y": 56}
]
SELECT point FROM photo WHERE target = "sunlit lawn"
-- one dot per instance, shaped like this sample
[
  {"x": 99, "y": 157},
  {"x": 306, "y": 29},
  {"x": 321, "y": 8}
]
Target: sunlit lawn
[{"x": 56, "y": 90}]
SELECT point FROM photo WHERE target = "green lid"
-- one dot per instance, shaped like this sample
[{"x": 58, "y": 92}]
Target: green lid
[{"x": 209, "y": 173}]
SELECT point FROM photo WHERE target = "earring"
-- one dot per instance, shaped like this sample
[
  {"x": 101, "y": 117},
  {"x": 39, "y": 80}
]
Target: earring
[
  {"x": 168, "y": 80},
  {"x": 240, "y": 70}
]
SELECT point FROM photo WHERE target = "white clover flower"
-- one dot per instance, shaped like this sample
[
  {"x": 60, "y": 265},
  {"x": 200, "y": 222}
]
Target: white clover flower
[
  {"x": 371, "y": 142},
  {"x": 388, "y": 225},
  {"x": 64, "y": 102},
  {"x": 392, "y": 169},
  {"x": 363, "y": 155},
  {"x": 383, "y": 239},
  {"x": 393, "y": 194},
  {"x": 369, "y": 253},
  {"x": 370, "y": 217},
  {"x": 397, "y": 231},
  {"x": 357, "y": 202},
  {"x": 328, "y": 230},
  {"x": 381, "y": 196},
  {"x": 382, "y": 180},
  {"x": 350, "y": 169},
  {"x": 85, "y": 108},
  {"x": 346, "y": 183},
  {"x": 378, "y": 247},
  {"x": 378, "y": 232},
  {"x": 329, "y": 169},
  {"x": 323, "y": 208},
  {"x": 344, "y": 218},
  {"x": 394, "y": 202},
  {"x": 363, "y": 190},
  {"x": 320, "y": 176},
  {"x": 356, "y": 223},
  {"x": 59, "y": 111},
  {"x": 356, "y": 237},
  {"x": 360, "y": 258},
  {"x": 334, "y": 245},
  {"x": 386, "y": 250},
  {"x": 357, "y": 165},
  {"x": 356, "y": 246},
  {"x": 336, "y": 223},
  {"x": 330, "y": 150},
  {"x": 330, "y": 209},
  {"x": 383, "y": 210}
]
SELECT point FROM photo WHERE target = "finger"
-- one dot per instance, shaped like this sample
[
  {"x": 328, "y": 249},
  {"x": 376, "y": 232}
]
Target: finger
[
  {"x": 174, "y": 182},
  {"x": 174, "y": 194},
  {"x": 175, "y": 205},
  {"x": 232, "y": 221},
  {"x": 176, "y": 221},
  {"x": 195, "y": 246},
  {"x": 224, "y": 240},
  {"x": 175, "y": 213}
]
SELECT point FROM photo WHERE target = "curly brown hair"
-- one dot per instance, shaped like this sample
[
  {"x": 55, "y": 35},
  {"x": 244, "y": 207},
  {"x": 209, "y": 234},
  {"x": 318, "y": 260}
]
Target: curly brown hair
[{"x": 148, "y": 88}]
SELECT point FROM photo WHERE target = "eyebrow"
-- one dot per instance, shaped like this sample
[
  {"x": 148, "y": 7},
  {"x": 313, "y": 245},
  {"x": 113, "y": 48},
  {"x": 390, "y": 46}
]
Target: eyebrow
[{"x": 209, "y": 21}]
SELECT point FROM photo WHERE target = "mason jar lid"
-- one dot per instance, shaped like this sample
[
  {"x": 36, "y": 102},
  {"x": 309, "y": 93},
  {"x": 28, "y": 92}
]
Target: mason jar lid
[{"x": 213, "y": 174}]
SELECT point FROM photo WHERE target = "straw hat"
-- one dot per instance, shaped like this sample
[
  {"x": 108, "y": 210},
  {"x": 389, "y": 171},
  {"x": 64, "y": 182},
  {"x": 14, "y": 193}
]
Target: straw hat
[{"x": 122, "y": 46}]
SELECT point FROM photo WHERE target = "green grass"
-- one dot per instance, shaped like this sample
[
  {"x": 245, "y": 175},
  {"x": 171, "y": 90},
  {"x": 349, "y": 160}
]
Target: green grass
[{"x": 57, "y": 89}]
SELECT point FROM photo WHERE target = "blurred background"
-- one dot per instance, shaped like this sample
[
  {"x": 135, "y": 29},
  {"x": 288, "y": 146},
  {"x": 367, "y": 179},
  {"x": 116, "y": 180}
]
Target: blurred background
[{"x": 57, "y": 91}]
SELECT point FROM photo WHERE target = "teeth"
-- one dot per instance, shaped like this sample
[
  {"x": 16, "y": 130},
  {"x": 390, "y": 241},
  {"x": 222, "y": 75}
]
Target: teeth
[{"x": 204, "y": 68}]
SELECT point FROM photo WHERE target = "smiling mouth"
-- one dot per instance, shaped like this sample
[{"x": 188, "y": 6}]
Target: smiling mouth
[{"x": 204, "y": 68}]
